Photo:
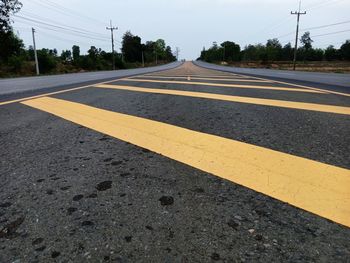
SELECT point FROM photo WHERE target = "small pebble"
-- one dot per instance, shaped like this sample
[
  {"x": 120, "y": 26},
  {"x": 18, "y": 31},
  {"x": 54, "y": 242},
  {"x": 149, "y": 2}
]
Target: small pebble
[{"x": 166, "y": 200}]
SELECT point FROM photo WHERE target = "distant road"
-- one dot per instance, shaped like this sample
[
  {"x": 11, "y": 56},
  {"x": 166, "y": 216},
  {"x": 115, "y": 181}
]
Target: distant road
[
  {"x": 315, "y": 77},
  {"x": 18, "y": 85}
]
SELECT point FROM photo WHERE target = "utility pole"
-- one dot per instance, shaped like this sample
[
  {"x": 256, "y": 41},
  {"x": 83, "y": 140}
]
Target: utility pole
[
  {"x": 224, "y": 51},
  {"x": 35, "y": 54},
  {"x": 155, "y": 55},
  {"x": 143, "y": 60},
  {"x": 177, "y": 53},
  {"x": 112, "y": 38},
  {"x": 298, "y": 13}
]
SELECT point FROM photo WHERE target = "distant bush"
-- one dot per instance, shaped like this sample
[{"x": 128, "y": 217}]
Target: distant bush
[
  {"x": 273, "y": 51},
  {"x": 16, "y": 60},
  {"x": 47, "y": 61},
  {"x": 16, "y": 64}
]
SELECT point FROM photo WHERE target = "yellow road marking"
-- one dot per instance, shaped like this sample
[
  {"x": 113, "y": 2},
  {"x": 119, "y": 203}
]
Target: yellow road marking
[
  {"x": 306, "y": 87},
  {"x": 42, "y": 95},
  {"x": 257, "y": 78},
  {"x": 203, "y": 78},
  {"x": 224, "y": 85},
  {"x": 313, "y": 186},
  {"x": 53, "y": 93},
  {"x": 195, "y": 75},
  {"x": 264, "y": 102}
]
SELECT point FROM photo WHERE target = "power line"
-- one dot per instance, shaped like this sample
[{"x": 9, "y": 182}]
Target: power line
[
  {"x": 332, "y": 33},
  {"x": 63, "y": 39},
  {"x": 329, "y": 25},
  {"x": 22, "y": 28},
  {"x": 272, "y": 27},
  {"x": 64, "y": 10},
  {"x": 43, "y": 19},
  {"x": 316, "y": 27},
  {"x": 81, "y": 33},
  {"x": 67, "y": 33},
  {"x": 38, "y": 19},
  {"x": 323, "y": 4},
  {"x": 75, "y": 12},
  {"x": 315, "y": 5},
  {"x": 40, "y": 33},
  {"x": 326, "y": 34}
]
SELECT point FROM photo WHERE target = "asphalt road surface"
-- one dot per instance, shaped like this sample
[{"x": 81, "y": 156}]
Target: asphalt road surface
[
  {"x": 182, "y": 165},
  {"x": 30, "y": 84},
  {"x": 341, "y": 80}
]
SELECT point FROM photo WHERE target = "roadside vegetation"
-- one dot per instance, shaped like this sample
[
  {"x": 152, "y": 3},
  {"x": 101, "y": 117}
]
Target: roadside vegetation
[
  {"x": 18, "y": 60},
  {"x": 274, "y": 55}
]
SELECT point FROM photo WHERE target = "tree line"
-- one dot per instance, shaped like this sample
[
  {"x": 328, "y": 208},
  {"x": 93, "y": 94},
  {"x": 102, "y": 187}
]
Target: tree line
[
  {"x": 16, "y": 59},
  {"x": 134, "y": 51},
  {"x": 273, "y": 50}
]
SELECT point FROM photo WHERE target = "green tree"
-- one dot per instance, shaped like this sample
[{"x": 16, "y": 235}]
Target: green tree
[
  {"x": 53, "y": 52},
  {"x": 7, "y": 8},
  {"x": 306, "y": 52},
  {"x": 94, "y": 53},
  {"x": 345, "y": 50},
  {"x": 93, "y": 60},
  {"x": 10, "y": 45},
  {"x": 331, "y": 53},
  {"x": 287, "y": 52},
  {"x": 231, "y": 51},
  {"x": 66, "y": 55},
  {"x": 160, "y": 47},
  {"x": 213, "y": 54},
  {"x": 273, "y": 49},
  {"x": 149, "y": 51},
  {"x": 310, "y": 54},
  {"x": 169, "y": 56},
  {"x": 306, "y": 41},
  {"x": 131, "y": 47},
  {"x": 76, "y": 52},
  {"x": 30, "y": 53},
  {"x": 255, "y": 53},
  {"x": 47, "y": 61}
]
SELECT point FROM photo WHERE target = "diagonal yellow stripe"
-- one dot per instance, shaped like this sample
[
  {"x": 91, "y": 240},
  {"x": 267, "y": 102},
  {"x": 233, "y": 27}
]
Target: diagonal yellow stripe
[
  {"x": 306, "y": 87},
  {"x": 196, "y": 75},
  {"x": 42, "y": 95},
  {"x": 313, "y": 186},
  {"x": 224, "y": 85},
  {"x": 264, "y": 102},
  {"x": 53, "y": 93},
  {"x": 205, "y": 78}
]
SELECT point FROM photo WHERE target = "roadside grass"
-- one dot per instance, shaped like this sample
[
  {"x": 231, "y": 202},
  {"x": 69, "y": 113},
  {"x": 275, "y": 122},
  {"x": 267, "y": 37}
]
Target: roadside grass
[
  {"x": 312, "y": 66},
  {"x": 27, "y": 69}
]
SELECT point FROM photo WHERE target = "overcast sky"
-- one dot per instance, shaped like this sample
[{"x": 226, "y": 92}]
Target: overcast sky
[{"x": 187, "y": 24}]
